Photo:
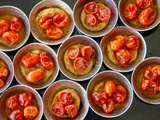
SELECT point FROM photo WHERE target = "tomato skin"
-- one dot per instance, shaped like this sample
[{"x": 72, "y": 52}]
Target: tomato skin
[
  {"x": 30, "y": 111},
  {"x": 16, "y": 24},
  {"x": 98, "y": 98},
  {"x": 11, "y": 37},
  {"x": 109, "y": 105},
  {"x": 130, "y": 12},
  {"x": 87, "y": 52},
  {"x": 16, "y": 114},
  {"x": 1, "y": 83},
  {"x": 90, "y": 20},
  {"x": 80, "y": 64},
  {"x": 143, "y": 4},
  {"x": 25, "y": 99},
  {"x": 132, "y": 43},
  {"x": 91, "y": 8},
  {"x": 46, "y": 61},
  {"x": 45, "y": 22},
  {"x": 12, "y": 102},
  {"x": 3, "y": 72},
  {"x": 73, "y": 52},
  {"x": 109, "y": 87},
  {"x": 71, "y": 110},
  {"x": 58, "y": 109},
  {"x": 4, "y": 26},
  {"x": 147, "y": 16},
  {"x": 158, "y": 84},
  {"x": 117, "y": 42},
  {"x": 103, "y": 14},
  {"x": 30, "y": 59},
  {"x": 66, "y": 98}
]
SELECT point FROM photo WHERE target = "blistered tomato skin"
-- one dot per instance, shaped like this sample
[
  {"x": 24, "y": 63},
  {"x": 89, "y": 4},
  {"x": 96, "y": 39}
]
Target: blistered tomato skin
[
  {"x": 30, "y": 111},
  {"x": 91, "y": 8},
  {"x": 71, "y": 110},
  {"x": 12, "y": 102},
  {"x": 16, "y": 114},
  {"x": 143, "y": 4},
  {"x": 109, "y": 105},
  {"x": 99, "y": 98},
  {"x": 58, "y": 109},
  {"x": 88, "y": 52},
  {"x": 90, "y": 20},
  {"x": 45, "y": 22},
  {"x": 4, "y": 26},
  {"x": 25, "y": 99},
  {"x": 103, "y": 14},
  {"x": 109, "y": 87},
  {"x": 16, "y": 24},
  {"x": 66, "y": 98},
  {"x": 3, "y": 72},
  {"x": 80, "y": 64},
  {"x": 73, "y": 52},
  {"x": 1, "y": 83},
  {"x": 132, "y": 43},
  {"x": 158, "y": 84}
]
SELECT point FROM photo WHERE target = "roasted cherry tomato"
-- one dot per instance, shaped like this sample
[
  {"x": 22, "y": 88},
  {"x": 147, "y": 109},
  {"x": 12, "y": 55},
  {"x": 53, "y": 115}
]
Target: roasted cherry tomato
[
  {"x": 147, "y": 16},
  {"x": 117, "y": 42},
  {"x": 3, "y": 72},
  {"x": 30, "y": 111},
  {"x": 1, "y": 83},
  {"x": 158, "y": 84},
  {"x": 58, "y": 109},
  {"x": 61, "y": 20},
  {"x": 16, "y": 114},
  {"x": 12, "y": 102},
  {"x": 16, "y": 24},
  {"x": 109, "y": 105},
  {"x": 4, "y": 26},
  {"x": 103, "y": 14},
  {"x": 132, "y": 43},
  {"x": 45, "y": 22},
  {"x": 30, "y": 59},
  {"x": 73, "y": 52},
  {"x": 35, "y": 75},
  {"x": 11, "y": 37},
  {"x": 54, "y": 32},
  {"x": 149, "y": 87},
  {"x": 91, "y": 8},
  {"x": 109, "y": 87},
  {"x": 71, "y": 110},
  {"x": 130, "y": 12},
  {"x": 25, "y": 99},
  {"x": 123, "y": 56},
  {"x": 90, "y": 20},
  {"x": 80, "y": 64},
  {"x": 156, "y": 69},
  {"x": 120, "y": 94},
  {"x": 87, "y": 52},
  {"x": 99, "y": 98},
  {"x": 143, "y": 4},
  {"x": 46, "y": 61},
  {"x": 66, "y": 98}
]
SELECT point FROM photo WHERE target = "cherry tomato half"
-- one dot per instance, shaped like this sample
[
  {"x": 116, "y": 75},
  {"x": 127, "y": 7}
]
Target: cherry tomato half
[
  {"x": 45, "y": 22},
  {"x": 109, "y": 87},
  {"x": 158, "y": 84},
  {"x": 109, "y": 105},
  {"x": 149, "y": 74},
  {"x": 90, "y": 20},
  {"x": 117, "y": 42},
  {"x": 58, "y": 109},
  {"x": 1, "y": 83},
  {"x": 71, "y": 110},
  {"x": 87, "y": 52},
  {"x": 66, "y": 97},
  {"x": 132, "y": 43},
  {"x": 123, "y": 56},
  {"x": 54, "y": 32},
  {"x": 30, "y": 111},
  {"x": 73, "y": 52},
  {"x": 91, "y": 8},
  {"x": 11, "y": 37},
  {"x": 147, "y": 16},
  {"x": 12, "y": 102},
  {"x": 99, "y": 98},
  {"x": 16, "y": 114},
  {"x": 156, "y": 69},
  {"x": 46, "y": 61},
  {"x": 35, "y": 75},
  {"x": 143, "y": 4},
  {"x": 30, "y": 59},
  {"x": 130, "y": 12},
  {"x": 16, "y": 24},
  {"x": 103, "y": 14},
  {"x": 25, "y": 99},
  {"x": 4, "y": 26},
  {"x": 3, "y": 72},
  {"x": 80, "y": 64},
  {"x": 61, "y": 20}
]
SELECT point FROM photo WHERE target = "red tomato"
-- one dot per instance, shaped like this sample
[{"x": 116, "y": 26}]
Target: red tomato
[
  {"x": 87, "y": 52},
  {"x": 12, "y": 102},
  {"x": 91, "y": 8},
  {"x": 90, "y": 20},
  {"x": 58, "y": 109},
  {"x": 99, "y": 98},
  {"x": 149, "y": 74},
  {"x": 80, "y": 64},
  {"x": 54, "y": 32},
  {"x": 11, "y": 37},
  {"x": 147, "y": 16},
  {"x": 109, "y": 105},
  {"x": 66, "y": 98},
  {"x": 45, "y": 22},
  {"x": 130, "y": 12},
  {"x": 35, "y": 75},
  {"x": 132, "y": 43},
  {"x": 117, "y": 42},
  {"x": 156, "y": 69},
  {"x": 30, "y": 59},
  {"x": 1, "y": 83},
  {"x": 3, "y": 72},
  {"x": 46, "y": 61},
  {"x": 16, "y": 24},
  {"x": 30, "y": 111},
  {"x": 25, "y": 99},
  {"x": 120, "y": 94},
  {"x": 123, "y": 56},
  {"x": 16, "y": 114},
  {"x": 103, "y": 14},
  {"x": 143, "y": 4},
  {"x": 149, "y": 87},
  {"x": 73, "y": 52},
  {"x": 61, "y": 20},
  {"x": 109, "y": 87},
  {"x": 4, "y": 26},
  {"x": 71, "y": 110},
  {"x": 158, "y": 84}
]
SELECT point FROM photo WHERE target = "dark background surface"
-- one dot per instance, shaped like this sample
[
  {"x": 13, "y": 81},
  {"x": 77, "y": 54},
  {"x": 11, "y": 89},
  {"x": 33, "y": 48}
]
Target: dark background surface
[{"x": 139, "y": 110}]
